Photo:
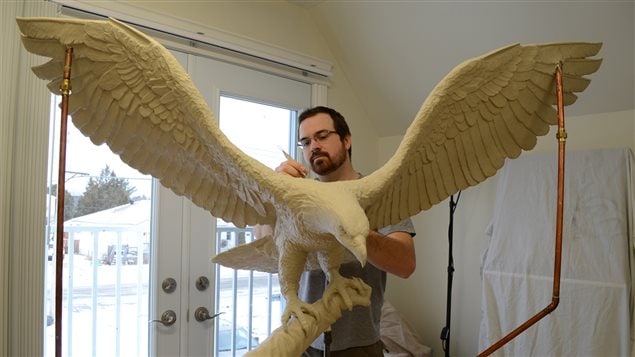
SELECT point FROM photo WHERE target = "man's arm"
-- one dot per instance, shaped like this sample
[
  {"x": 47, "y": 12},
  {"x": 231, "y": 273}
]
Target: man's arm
[{"x": 393, "y": 253}]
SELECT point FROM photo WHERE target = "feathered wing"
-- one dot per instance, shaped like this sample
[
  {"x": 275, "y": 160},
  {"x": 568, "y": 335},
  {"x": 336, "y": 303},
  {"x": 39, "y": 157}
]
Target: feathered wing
[
  {"x": 261, "y": 255},
  {"x": 485, "y": 110},
  {"x": 129, "y": 92}
]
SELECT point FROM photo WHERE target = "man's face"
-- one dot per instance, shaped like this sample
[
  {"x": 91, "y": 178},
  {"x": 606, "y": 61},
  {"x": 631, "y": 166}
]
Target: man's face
[{"x": 328, "y": 154}]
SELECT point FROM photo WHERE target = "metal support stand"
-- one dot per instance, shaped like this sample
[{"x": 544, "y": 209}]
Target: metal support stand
[
  {"x": 561, "y": 135},
  {"x": 65, "y": 90},
  {"x": 445, "y": 332},
  {"x": 328, "y": 338},
  {"x": 327, "y": 343}
]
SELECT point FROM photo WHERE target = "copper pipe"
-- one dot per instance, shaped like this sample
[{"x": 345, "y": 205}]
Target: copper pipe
[
  {"x": 561, "y": 135},
  {"x": 65, "y": 89}
]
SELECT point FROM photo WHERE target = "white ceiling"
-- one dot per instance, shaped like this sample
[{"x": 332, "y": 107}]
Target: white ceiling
[{"x": 394, "y": 52}]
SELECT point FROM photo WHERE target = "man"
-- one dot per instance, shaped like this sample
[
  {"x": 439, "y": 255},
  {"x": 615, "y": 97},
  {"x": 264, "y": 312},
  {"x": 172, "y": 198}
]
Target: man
[{"x": 326, "y": 144}]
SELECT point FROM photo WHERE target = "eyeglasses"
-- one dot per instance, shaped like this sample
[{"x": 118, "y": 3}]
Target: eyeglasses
[{"x": 318, "y": 137}]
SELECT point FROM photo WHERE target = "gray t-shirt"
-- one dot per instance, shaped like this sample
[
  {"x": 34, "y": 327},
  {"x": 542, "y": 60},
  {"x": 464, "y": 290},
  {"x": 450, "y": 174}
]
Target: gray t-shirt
[{"x": 360, "y": 326}]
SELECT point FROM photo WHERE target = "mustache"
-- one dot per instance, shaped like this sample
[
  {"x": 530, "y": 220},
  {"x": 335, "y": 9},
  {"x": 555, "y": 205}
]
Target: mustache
[{"x": 318, "y": 154}]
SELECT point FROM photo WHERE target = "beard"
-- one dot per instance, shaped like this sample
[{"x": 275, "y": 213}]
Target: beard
[{"x": 323, "y": 164}]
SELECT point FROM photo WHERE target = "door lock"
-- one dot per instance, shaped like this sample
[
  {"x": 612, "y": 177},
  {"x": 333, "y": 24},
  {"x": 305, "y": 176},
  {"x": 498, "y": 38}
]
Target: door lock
[
  {"x": 167, "y": 319},
  {"x": 168, "y": 285},
  {"x": 202, "y": 283}
]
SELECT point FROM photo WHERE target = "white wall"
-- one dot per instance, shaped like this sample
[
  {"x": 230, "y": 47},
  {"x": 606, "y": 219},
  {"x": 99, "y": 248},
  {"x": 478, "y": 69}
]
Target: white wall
[{"x": 422, "y": 298}]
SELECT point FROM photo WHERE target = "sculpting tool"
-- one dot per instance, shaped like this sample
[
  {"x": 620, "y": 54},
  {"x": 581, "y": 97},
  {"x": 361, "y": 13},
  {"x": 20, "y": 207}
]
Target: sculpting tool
[
  {"x": 289, "y": 157},
  {"x": 286, "y": 154}
]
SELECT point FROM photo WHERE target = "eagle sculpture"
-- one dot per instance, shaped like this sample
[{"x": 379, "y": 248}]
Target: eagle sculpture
[{"x": 130, "y": 93}]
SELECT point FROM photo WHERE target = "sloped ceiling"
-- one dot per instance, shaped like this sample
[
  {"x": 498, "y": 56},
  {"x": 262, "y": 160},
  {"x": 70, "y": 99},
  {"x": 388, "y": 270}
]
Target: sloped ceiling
[{"x": 394, "y": 52}]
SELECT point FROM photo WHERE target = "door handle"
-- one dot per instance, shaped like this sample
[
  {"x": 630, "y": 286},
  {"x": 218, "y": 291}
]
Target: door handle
[
  {"x": 167, "y": 319},
  {"x": 202, "y": 314}
]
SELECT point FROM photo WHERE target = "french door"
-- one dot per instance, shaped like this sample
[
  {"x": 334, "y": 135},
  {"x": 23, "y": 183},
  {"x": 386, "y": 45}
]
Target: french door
[{"x": 257, "y": 111}]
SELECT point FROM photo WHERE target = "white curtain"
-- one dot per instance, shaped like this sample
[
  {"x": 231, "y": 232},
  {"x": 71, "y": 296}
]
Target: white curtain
[
  {"x": 594, "y": 317},
  {"x": 24, "y": 126}
]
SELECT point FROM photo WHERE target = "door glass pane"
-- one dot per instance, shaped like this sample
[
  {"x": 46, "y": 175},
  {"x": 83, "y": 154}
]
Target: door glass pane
[
  {"x": 250, "y": 301},
  {"x": 106, "y": 251}
]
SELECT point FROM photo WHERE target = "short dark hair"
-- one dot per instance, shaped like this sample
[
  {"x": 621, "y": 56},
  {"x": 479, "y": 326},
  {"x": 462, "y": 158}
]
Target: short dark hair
[{"x": 341, "y": 127}]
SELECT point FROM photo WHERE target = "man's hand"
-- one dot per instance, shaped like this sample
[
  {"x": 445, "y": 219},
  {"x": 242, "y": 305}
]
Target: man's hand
[{"x": 292, "y": 168}]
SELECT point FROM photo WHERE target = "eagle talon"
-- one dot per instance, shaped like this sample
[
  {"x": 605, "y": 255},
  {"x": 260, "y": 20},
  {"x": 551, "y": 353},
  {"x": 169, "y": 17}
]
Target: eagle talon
[
  {"x": 344, "y": 287},
  {"x": 300, "y": 310}
]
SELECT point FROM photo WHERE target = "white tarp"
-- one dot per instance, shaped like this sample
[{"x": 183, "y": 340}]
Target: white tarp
[
  {"x": 594, "y": 317},
  {"x": 399, "y": 338}
]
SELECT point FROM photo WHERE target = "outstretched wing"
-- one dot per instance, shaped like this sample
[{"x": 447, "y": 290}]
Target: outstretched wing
[
  {"x": 485, "y": 110},
  {"x": 129, "y": 92}
]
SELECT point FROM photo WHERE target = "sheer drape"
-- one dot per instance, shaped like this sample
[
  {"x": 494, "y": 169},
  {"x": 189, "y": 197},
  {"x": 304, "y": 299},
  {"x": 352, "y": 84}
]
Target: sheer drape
[{"x": 24, "y": 124}]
